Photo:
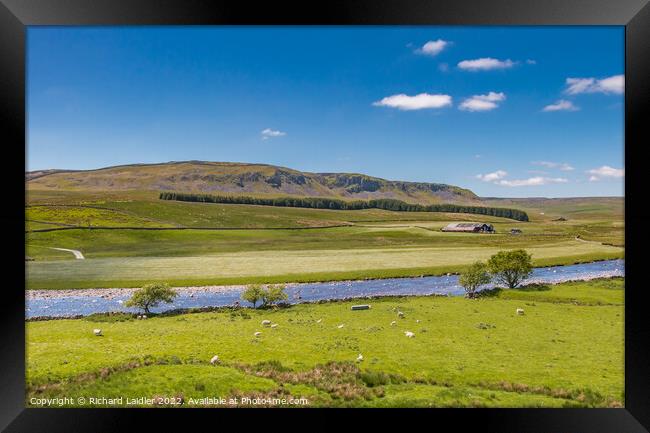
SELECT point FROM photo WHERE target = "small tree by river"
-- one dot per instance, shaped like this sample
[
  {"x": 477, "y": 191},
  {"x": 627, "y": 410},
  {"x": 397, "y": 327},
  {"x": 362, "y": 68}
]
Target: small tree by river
[
  {"x": 150, "y": 296},
  {"x": 511, "y": 267},
  {"x": 474, "y": 276}
]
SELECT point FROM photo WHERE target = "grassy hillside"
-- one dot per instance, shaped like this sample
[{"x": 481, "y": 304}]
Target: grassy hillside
[
  {"x": 270, "y": 244},
  {"x": 565, "y": 351},
  {"x": 129, "y": 236},
  {"x": 238, "y": 178}
]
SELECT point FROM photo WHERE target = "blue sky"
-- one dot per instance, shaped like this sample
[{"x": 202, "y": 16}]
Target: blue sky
[{"x": 504, "y": 111}]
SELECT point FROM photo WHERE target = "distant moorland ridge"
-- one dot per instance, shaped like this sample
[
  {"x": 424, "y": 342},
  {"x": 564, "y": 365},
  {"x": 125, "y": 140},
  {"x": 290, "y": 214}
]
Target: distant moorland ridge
[{"x": 249, "y": 179}]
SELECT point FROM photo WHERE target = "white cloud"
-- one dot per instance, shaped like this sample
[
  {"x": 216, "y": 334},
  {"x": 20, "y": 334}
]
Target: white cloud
[
  {"x": 482, "y": 102},
  {"x": 432, "y": 48},
  {"x": 532, "y": 181},
  {"x": 531, "y": 62},
  {"x": 491, "y": 177},
  {"x": 485, "y": 63},
  {"x": 417, "y": 102},
  {"x": 498, "y": 178},
  {"x": 561, "y": 105},
  {"x": 605, "y": 172},
  {"x": 613, "y": 84},
  {"x": 270, "y": 133},
  {"x": 549, "y": 164}
]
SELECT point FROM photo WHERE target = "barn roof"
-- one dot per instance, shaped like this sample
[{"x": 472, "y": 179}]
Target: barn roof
[
  {"x": 467, "y": 227},
  {"x": 464, "y": 225}
]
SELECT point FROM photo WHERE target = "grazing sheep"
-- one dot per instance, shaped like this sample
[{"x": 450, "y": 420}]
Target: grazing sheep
[
  {"x": 275, "y": 325},
  {"x": 144, "y": 316},
  {"x": 520, "y": 311},
  {"x": 341, "y": 326},
  {"x": 417, "y": 321},
  {"x": 257, "y": 334},
  {"x": 214, "y": 360},
  {"x": 360, "y": 358},
  {"x": 400, "y": 314},
  {"x": 97, "y": 332},
  {"x": 319, "y": 320},
  {"x": 393, "y": 323},
  {"x": 409, "y": 334},
  {"x": 266, "y": 322}
]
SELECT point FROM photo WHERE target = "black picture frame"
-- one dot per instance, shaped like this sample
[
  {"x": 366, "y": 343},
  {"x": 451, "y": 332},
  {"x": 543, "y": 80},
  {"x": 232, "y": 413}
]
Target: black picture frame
[{"x": 15, "y": 15}]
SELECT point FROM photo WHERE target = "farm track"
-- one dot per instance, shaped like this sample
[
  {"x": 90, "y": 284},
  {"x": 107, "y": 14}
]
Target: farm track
[{"x": 77, "y": 254}]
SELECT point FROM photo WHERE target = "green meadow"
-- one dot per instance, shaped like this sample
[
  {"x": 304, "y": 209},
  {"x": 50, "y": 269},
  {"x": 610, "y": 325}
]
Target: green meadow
[
  {"x": 566, "y": 350},
  {"x": 132, "y": 237}
]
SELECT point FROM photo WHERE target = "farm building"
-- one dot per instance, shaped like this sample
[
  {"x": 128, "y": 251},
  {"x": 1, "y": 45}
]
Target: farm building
[{"x": 469, "y": 228}]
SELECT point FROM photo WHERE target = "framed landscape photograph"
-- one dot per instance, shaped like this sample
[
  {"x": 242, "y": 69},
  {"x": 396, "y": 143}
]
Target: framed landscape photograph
[{"x": 397, "y": 206}]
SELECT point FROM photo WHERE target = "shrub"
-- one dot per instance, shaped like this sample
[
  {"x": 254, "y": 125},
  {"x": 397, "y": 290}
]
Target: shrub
[
  {"x": 253, "y": 294},
  {"x": 150, "y": 296},
  {"x": 274, "y": 294},
  {"x": 511, "y": 267},
  {"x": 474, "y": 276}
]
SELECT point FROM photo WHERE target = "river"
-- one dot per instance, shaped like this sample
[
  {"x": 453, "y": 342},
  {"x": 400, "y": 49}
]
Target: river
[{"x": 85, "y": 302}]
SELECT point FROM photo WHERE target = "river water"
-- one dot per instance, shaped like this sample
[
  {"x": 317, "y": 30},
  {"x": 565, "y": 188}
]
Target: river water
[{"x": 71, "y": 305}]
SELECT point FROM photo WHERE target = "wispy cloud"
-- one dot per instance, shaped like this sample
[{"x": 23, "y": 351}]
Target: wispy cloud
[
  {"x": 485, "y": 63},
  {"x": 271, "y": 133},
  {"x": 482, "y": 102},
  {"x": 532, "y": 181},
  {"x": 531, "y": 62},
  {"x": 492, "y": 177},
  {"x": 561, "y": 105},
  {"x": 498, "y": 178},
  {"x": 614, "y": 84},
  {"x": 432, "y": 48},
  {"x": 550, "y": 164},
  {"x": 605, "y": 172},
  {"x": 417, "y": 102}
]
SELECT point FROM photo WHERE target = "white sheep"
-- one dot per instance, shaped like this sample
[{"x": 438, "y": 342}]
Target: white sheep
[
  {"x": 144, "y": 316},
  {"x": 417, "y": 321},
  {"x": 319, "y": 320},
  {"x": 393, "y": 323},
  {"x": 400, "y": 314},
  {"x": 409, "y": 334},
  {"x": 97, "y": 332},
  {"x": 341, "y": 326},
  {"x": 520, "y": 311},
  {"x": 266, "y": 322},
  {"x": 275, "y": 325},
  {"x": 214, "y": 360},
  {"x": 257, "y": 334},
  {"x": 360, "y": 358}
]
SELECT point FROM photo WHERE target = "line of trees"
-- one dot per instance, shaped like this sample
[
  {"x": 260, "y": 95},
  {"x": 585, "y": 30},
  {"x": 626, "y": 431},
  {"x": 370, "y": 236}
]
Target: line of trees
[{"x": 337, "y": 204}]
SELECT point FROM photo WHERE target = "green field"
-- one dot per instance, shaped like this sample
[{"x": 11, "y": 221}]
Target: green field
[
  {"x": 565, "y": 351},
  {"x": 202, "y": 243}
]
